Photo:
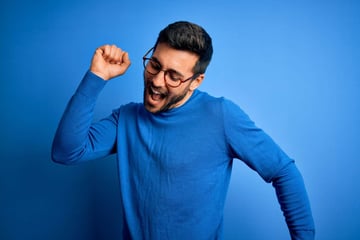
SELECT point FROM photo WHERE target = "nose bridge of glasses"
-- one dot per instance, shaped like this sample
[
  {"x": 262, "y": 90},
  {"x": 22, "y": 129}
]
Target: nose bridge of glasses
[
  {"x": 159, "y": 79},
  {"x": 154, "y": 68},
  {"x": 155, "y": 71}
]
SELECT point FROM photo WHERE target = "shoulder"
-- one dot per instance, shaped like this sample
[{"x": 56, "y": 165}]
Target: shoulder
[
  {"x": 223, "y": 104},
  {"x": 129, "y": 108},
  {"x": 207, "y": 101}
]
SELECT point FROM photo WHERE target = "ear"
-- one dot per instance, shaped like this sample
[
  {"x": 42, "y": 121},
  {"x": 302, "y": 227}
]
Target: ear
[{"x": 197, "y": 82}]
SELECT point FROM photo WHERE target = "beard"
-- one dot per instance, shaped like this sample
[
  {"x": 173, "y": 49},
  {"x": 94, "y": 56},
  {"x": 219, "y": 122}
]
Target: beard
[{"x": 170, "y": 100}]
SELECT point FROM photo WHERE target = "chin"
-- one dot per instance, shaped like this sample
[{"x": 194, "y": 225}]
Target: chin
[{"x": 151, "y": 108}]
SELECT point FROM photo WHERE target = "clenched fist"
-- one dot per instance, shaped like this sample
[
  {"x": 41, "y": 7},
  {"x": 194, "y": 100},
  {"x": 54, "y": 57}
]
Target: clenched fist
[{"x": 109, "y": 61}]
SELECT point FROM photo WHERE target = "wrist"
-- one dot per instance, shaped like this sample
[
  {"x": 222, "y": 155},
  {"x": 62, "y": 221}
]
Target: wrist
[
  {"x": 99, "y": 74},
  {"x": 91, "y": 85}
]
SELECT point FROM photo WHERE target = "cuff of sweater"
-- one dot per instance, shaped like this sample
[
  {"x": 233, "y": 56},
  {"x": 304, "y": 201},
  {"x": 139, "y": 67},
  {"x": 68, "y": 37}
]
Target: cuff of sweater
[{"x": 91, "y": 85}]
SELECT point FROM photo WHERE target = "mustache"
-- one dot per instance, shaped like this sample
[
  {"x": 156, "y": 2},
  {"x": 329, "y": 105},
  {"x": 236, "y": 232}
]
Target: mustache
[{"x": 156, "y": 90}]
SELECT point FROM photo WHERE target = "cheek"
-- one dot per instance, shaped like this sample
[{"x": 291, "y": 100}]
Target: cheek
[
  {"x": 147, "y": 79},
  {"x": 178, "y": 92}
]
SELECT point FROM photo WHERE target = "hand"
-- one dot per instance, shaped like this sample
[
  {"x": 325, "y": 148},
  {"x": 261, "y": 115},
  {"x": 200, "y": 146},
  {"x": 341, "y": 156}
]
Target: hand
[{"x": 109, "y": 61}]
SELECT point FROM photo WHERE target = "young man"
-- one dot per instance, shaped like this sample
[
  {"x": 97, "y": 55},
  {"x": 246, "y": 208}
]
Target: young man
[{"x": 175, "y": 150}]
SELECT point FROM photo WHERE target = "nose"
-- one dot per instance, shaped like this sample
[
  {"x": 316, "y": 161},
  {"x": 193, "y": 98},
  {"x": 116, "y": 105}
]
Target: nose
[{"x": 158, "y": 80}]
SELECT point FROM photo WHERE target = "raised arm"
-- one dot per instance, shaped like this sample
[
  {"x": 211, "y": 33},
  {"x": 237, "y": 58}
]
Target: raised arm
[{"x": 77, "y": 138}]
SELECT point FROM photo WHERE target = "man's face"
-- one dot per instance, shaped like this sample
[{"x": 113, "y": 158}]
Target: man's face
[{"x": 158, "y": 96}]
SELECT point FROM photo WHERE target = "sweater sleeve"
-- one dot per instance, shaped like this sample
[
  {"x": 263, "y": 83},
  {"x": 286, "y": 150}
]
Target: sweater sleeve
[
  {"x": 255, "y": 148},
  {"x": 294, "y": 202},
  {"x": 77, "y": 138}
]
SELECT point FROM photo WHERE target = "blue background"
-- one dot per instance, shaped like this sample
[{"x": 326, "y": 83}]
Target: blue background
[{"x": 293, "y": 66}]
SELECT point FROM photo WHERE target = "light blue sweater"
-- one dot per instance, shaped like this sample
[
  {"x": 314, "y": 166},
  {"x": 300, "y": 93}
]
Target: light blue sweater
[{"x": 175, "y": 167}]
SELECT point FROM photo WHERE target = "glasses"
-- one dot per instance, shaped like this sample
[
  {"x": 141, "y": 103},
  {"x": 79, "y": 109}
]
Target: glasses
[{"x": 172, "y": 78}]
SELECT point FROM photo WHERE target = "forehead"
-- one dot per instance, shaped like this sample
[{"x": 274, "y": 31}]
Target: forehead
[{"x": 171, "y": 58}]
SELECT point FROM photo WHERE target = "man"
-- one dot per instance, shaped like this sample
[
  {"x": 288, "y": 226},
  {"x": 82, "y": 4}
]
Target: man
[{"x": 175, "y": 150}]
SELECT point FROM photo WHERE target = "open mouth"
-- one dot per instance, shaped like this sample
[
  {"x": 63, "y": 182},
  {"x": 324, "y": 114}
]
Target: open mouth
[{"x": 155, "y": 94}]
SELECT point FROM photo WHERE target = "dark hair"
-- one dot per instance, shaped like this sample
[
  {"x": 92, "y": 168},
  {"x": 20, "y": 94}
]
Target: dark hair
[{"x": 191, "y": 37}]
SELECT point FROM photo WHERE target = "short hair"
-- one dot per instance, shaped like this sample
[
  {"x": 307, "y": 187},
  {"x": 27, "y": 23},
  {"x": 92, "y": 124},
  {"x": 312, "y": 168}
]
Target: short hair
[{"x": 183, "y": 35}]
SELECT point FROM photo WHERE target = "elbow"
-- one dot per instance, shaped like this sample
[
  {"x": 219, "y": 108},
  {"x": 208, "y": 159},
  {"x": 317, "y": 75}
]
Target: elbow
[
  {"x": 57, "y": 158},
  {"x": 61, "y": 157}
]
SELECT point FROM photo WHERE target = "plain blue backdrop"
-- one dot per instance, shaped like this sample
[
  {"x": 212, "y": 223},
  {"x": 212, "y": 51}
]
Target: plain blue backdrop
[{"x": 293, "y": 66}]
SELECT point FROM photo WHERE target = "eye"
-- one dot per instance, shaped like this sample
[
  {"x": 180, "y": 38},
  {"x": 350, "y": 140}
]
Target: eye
[
  {"x": 154, "y": 65},
  {"x": 174, "y": 76}
]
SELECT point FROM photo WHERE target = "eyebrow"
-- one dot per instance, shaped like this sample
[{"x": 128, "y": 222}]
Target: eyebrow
[{"x": 170, "y": 69}]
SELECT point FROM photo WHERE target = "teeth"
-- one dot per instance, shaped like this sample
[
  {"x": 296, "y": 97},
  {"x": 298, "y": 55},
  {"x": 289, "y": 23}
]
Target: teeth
[{"x": 155, "y": 92}]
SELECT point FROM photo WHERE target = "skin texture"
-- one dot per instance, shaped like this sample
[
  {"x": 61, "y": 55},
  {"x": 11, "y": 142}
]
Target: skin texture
[{"x": 110, "y": 61}]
